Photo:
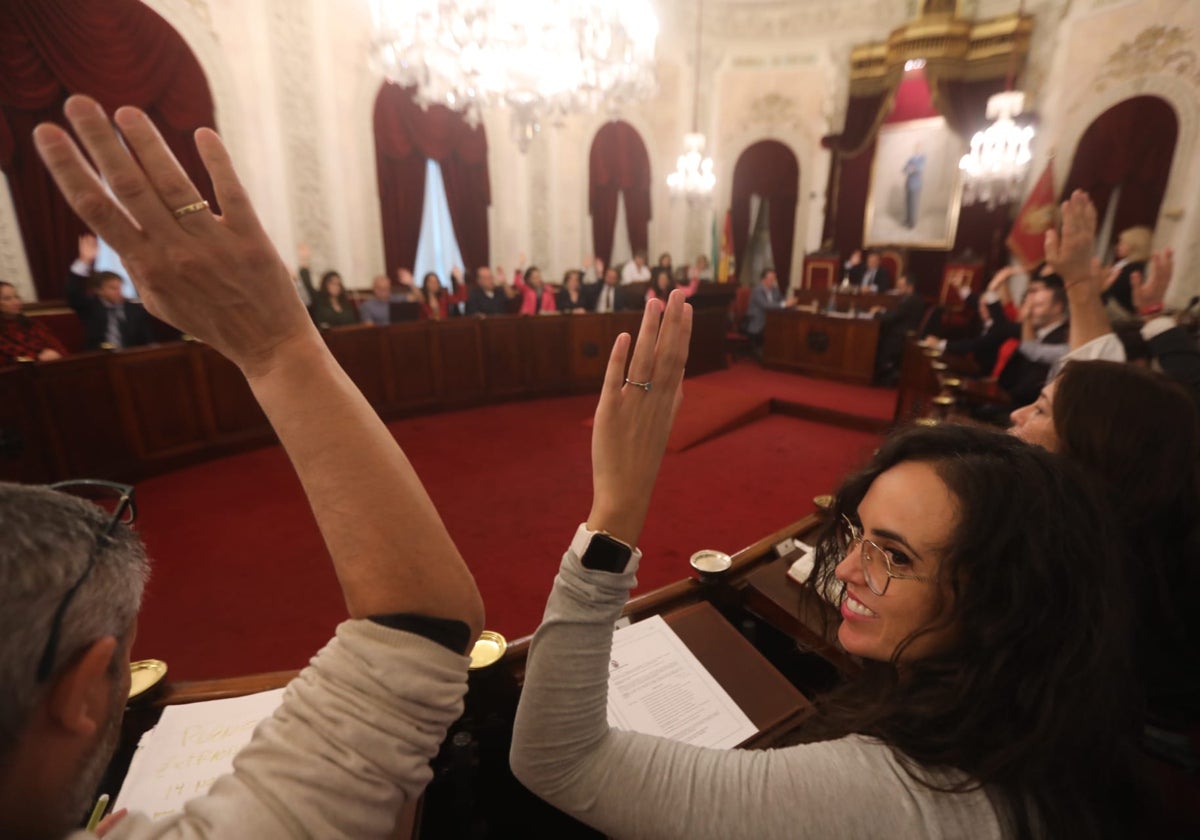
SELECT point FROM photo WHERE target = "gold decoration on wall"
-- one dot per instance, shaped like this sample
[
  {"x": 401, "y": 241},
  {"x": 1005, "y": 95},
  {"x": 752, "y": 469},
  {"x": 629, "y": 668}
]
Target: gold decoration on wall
[
  {"x": 1156, "y": 50},
  {"x": 773, "y": 109}
]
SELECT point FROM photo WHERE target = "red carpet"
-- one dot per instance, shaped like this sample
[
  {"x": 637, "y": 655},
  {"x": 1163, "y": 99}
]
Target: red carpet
[
  {"x": 870, "y": 402},
  {"x": 242, "y": 583}
]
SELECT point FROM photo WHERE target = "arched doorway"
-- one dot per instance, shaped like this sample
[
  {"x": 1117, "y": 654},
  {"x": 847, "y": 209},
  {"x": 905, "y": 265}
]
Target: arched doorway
[
  {"x": 766, "y": 186},
  {"x": 1124, "y": 161},
  {"x": 118, "y": 51},
  {"x": 619, "y": 169}
]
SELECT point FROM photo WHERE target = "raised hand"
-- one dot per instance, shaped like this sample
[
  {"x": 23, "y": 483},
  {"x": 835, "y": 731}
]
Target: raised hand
[
  {"x": 304, "y": 255},
  {"x": 218, "y": 278},
  {"x": 404, "y": 277},
  {"x": 633, "y": 421},
  {"x": 89, "y": 247},
  {"x": 1071, "y": 252},
  {"x": 1150, "y": 291}
]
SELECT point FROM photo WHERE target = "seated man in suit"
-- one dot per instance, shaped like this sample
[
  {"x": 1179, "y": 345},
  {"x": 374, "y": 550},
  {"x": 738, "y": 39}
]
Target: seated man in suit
[
  {"x": 109, "y": 320},
  {"x": 766, "y": 296},
  {"x": 872, "y": 277},
  {"x": 352, "y": 741},
  {"x": 610, "y": 297},
  {"x": 485, "y": 297},
  {"x": 894, "y": 326}
]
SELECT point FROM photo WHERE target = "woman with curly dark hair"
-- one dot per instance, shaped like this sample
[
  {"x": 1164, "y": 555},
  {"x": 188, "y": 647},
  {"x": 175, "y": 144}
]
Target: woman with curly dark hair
[{"x": 978, "y": 580}]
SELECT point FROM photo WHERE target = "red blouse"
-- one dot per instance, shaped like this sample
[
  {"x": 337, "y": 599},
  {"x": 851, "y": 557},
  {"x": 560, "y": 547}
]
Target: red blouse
[{"x": 23, "y": 337}]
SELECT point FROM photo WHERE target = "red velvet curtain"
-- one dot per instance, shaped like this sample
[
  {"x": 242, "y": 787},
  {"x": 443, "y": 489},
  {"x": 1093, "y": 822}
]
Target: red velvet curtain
[
  {"x": 119, "y": 52},
  {"x": 619, "y": 163},
  {"x": 1131, "y": 145},
  {"x": 405, "y": 137},
  {"x": 769, "y": 169}
]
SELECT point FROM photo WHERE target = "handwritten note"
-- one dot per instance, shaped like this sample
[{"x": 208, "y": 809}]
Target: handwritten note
[
  {"x": 192, "y": 746},
  {"x": 658, "y": 687}
]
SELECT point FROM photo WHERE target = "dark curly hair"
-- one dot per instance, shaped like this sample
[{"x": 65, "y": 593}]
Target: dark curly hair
[{"x": 1031, "y": 700}]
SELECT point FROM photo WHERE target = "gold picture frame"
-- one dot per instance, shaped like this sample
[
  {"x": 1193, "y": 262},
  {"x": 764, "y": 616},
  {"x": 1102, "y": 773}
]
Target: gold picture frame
[{"x": 900, "y": 214}]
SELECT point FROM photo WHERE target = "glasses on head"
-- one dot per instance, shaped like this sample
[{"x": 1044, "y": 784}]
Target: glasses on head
[
  {"x": 878, "y": 563},
  {"x": 117, "y": 501}
]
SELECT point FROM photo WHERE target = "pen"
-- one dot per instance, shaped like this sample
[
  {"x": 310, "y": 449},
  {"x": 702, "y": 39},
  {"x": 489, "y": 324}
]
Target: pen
[{"x": 98, "y": 812}]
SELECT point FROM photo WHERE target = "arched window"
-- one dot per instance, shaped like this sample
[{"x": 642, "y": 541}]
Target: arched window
[
  {"x": 121, "y": 53},
  {"x": 766, "y": 178},
  {"x": 406, "y": 138},
  {"x": 619, "y": 169},
  {"x": 1125, "y": 155}
]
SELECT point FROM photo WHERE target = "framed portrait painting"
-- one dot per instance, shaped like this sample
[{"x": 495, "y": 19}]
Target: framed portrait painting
[{"x": 915, "y": 190}]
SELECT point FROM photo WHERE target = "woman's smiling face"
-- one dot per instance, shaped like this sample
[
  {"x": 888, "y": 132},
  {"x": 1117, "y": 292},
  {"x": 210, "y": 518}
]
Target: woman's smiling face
[{"x": 910, "y": 513}]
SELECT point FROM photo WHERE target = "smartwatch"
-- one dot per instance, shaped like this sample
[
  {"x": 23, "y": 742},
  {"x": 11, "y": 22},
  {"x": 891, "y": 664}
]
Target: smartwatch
[{"x": 601, "y": 551}]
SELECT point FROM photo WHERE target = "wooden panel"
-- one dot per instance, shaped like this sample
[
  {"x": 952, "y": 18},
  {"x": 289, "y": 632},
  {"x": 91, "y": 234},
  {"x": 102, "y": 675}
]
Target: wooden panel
[
  {"x": 411, "y": 350},
  {"x": 839, "y": 348},
  {"x": 235, "y": 412},
  {"x": 707, "y": 350},
  {"x": 460, "y": 358},
  {"x": 359, "y": 350},
  {"x": 544, "y": 354},
  {"x": 24, "y": 450},
  {"x": 502, "y": 358},
  {"x": 160, "y": 400},
  {"x": 79, "y": 406},
  {"x": 588, "y": 342}
]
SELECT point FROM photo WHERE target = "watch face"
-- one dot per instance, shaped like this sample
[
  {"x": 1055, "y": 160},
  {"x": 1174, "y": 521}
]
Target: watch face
[{"x": 605, "y": 554}]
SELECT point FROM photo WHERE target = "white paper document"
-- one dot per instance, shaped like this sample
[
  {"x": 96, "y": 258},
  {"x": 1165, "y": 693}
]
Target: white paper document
[
  {"x": 192, "y": 746},
  {"x": 657, "y": 686}
]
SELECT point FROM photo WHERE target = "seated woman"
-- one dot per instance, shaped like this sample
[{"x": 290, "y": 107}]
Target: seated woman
[
  {"x": 1136, "y": 433},
  {"x": 22, "y": 337},
  {"x": 977, "y": 577},
  {"x": 661, "y": 284},
  {"x": 571, "y": 297},
  {"x": 437, "y": 303},
  {"x": 536, "y": 296},
  {"x": 331, "y": 303}
]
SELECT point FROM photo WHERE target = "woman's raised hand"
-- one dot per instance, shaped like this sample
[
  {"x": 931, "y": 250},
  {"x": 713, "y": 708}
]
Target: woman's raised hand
[
  {"x": 218, "y": 278},
  {"x": 634, "y": 417}
]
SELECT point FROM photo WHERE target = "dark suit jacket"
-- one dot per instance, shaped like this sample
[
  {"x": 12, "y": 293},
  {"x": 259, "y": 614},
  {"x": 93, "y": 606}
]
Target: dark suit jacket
[
  {"x": 478, "y": 303},
  {"x": 1177, "y": 355},
  {"x": 1024, "y": 378},
  {"x": 883, "y": 280},
  {"x": 135, "y": 328},
  {"x": 621, "y": 296},
  {"x": 1122, "y": 288},
  {"x": 895, "y": 324},
  {"x": 563, "y": 301},
  {"x": 985, "y": 347}
]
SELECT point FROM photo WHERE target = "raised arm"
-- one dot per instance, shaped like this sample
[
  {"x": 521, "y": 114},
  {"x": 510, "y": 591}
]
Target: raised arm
[{"x": 1070, "y": 252}]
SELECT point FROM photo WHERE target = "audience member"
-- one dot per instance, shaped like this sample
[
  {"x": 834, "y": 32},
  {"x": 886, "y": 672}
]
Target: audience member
[
  {"x": 610, "y": 297},
  {"x": 1132, "y": 251},
  {"x": 664, "y": 261},
  {"x": 894, "y": 326},
  {"x": 661, "y": 284},
  {"x": 109, "y": 320},
  {"x": 764, "y": 297},
  {"x": 352, "y": 742},
  {"x": 331, "y": 303},
  {"x": 1044, "y": 332},
  {"x": 485, "y": 298},
  {"x": 872, "y": 277},
  {"x": 593, "y": 270},
  {"x": 437, "y": 303},
  {"x": 636, "y": 270},
  {"x": 700, "y": 271},
  {"x": 990, "y": 704},
  {"x": 1137, "y": 435},
  {"x": 536, "y": 296},
  {"x": 22, "y": 337},
  {"x": 377, "y": 308},
  {"x": 571, "y": 297}
]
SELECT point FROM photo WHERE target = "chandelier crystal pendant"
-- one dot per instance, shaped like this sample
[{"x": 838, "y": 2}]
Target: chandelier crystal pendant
[
  {"x": 540, "y": 59},
  {"x": 994, "y": 170},
  {"x": 693, "y": 177}
]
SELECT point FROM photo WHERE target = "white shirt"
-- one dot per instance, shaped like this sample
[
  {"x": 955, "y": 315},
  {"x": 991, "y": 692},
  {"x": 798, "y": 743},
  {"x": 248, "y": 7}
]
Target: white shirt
[
  {"x": 632, "y": 274},
  {"x": 604, "y": 303}
]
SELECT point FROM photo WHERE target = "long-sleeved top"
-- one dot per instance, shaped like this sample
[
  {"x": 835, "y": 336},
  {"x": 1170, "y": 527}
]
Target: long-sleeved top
[
  {"x": 349, "y": 746},
  {"x": 608, "y": 298},
  {"x": 761, "y": 300},
  {"x": 565, "y": 303},
  {"x": 25, "y": 338},
  {"x": 627, "y": 784},
  {"x": 531, "y": 302},
  {"x": 322, "y": 309},
  {"x": 1173, "y": 351},
  {"x": 480, "y": 302},
  {"x": 631, "y": 272},
  {"x": 125, "y": 324}
]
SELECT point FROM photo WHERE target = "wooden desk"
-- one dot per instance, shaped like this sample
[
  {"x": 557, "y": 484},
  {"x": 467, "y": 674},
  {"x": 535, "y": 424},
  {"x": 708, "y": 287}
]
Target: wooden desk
[
  {"x": 821, "y": 345},
  {"x": 148, "y": 410},
  {"x": 845, "y": 301}
]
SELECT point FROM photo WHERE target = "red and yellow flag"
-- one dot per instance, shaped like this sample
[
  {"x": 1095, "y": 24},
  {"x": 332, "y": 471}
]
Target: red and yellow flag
[
  {"x": 725, "y": 273},
  {"x": 1027, "y": 239}
]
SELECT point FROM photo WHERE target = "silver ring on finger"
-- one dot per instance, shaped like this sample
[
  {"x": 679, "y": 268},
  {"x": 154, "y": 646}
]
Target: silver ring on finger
[
  {"x": 188, "y": 209},
  {"x": 645, "y": 386}
]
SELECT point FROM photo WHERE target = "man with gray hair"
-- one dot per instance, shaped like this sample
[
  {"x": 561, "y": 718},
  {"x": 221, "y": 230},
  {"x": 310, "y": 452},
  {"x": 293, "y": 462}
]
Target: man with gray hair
[{"x": 352, "y": 741}]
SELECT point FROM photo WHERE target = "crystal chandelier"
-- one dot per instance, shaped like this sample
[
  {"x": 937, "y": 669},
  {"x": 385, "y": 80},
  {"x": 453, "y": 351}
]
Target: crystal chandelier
[
  {"x": 540, "y": 59},
  {"x": 994, "y": 170},
  {"x": 693, "y": 177}
]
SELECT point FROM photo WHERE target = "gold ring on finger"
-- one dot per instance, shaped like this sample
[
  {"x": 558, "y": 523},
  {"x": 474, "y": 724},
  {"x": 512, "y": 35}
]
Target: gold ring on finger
[{"x": 187, "y": 209}]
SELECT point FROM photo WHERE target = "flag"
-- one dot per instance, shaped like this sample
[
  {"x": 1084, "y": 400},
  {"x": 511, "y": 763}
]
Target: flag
[
  {"x": 725, "y": 272},
  {"x": 1027, "y": 239},
  {"x": 714, "y": 244}
]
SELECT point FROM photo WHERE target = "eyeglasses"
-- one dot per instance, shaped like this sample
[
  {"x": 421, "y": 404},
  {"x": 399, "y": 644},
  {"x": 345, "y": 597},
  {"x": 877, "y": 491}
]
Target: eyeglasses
[
  {"x": 116, "y": 499},
  {"x": 878, "y": 564}
]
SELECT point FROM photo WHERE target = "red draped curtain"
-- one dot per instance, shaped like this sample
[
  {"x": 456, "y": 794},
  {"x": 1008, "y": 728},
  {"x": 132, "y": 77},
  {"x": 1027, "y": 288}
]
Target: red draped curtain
[
  {"x": 119, "y": 52},
  {"x": 619, "y": 163},
  {"x": 768, "y": 169},
  {"x": 405, "y": 137},
  {"x": 1131, "y": 146}
]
